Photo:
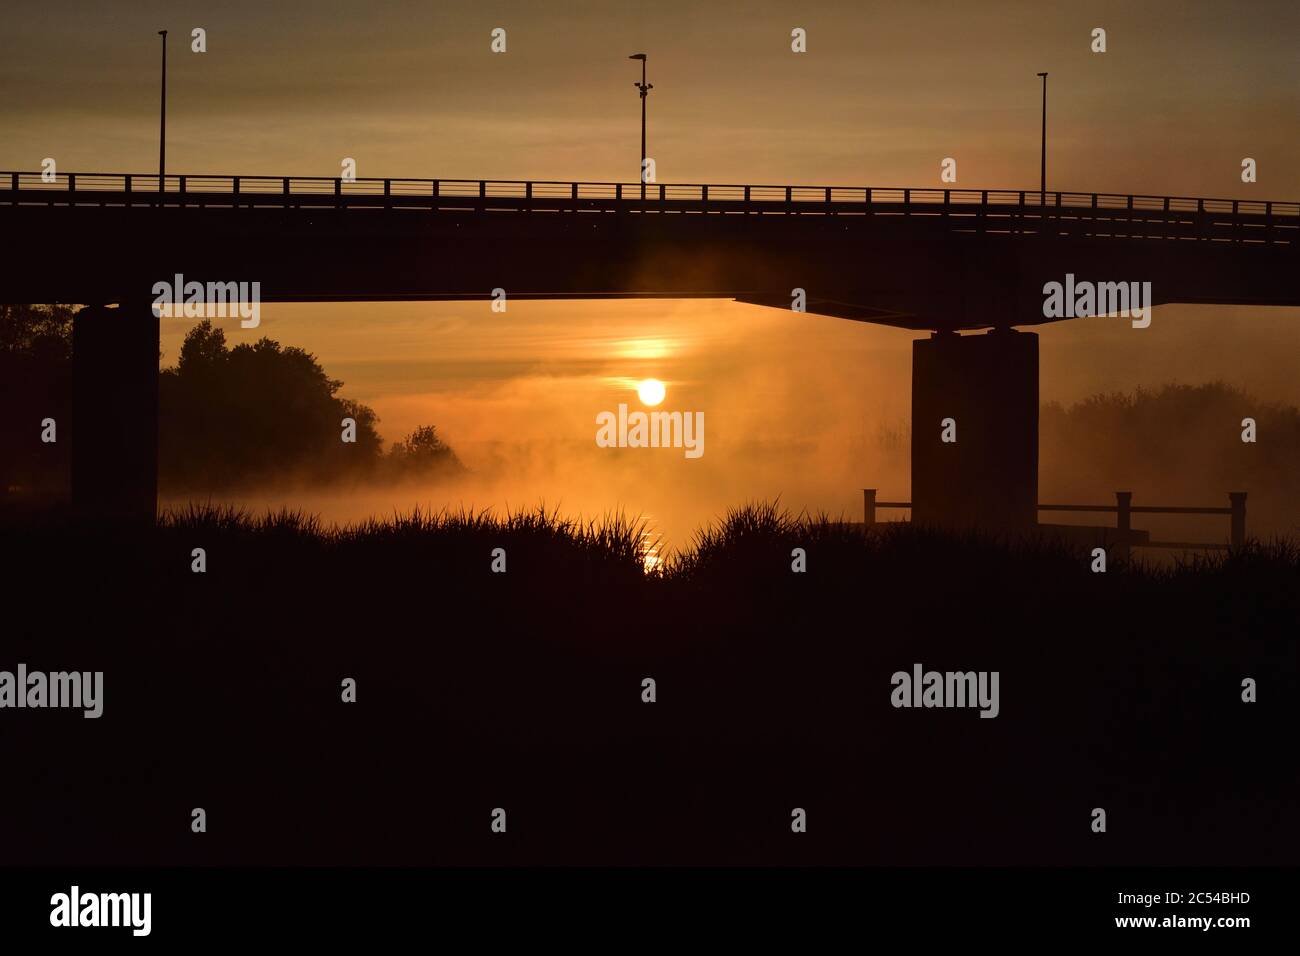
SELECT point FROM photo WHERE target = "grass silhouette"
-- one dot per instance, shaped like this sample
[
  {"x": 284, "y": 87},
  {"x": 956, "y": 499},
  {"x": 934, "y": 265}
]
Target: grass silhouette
[{"x": 523, "y": 690}]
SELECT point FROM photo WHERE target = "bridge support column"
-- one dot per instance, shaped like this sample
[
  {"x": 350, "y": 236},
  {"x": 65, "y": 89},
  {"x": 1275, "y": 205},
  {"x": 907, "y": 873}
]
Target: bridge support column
[
  {"x": 115, "y": 413},
  {"x": 980, "y": 392}
]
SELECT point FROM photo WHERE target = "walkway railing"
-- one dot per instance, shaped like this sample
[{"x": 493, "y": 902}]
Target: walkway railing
[
  {"x": 975, "y": 210},
  {"x": 1123, "y": 509}
]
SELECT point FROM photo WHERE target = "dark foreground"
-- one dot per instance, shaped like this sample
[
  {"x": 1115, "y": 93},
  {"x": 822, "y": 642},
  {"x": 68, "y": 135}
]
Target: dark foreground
[{"x": 523, "y": 691}]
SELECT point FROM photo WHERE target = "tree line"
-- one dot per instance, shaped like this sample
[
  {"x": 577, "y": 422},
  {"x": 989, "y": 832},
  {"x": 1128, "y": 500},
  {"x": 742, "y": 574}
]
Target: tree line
[{"x": 228, "y": 417}]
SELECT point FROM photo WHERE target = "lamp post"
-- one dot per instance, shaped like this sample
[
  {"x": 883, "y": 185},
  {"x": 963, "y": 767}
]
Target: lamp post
[
  {"x": 162, "y": 122},
  {"x": 645, "y": 88},
  {"x": 1042, "y": 169}
]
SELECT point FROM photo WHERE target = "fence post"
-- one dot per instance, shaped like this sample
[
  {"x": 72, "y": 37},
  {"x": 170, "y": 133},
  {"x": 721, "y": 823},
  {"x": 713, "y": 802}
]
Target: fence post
[
  {"x": 1123, "y": 523},
  {"x": 868, "y": 506},
  {"x": 1238, "y": 499}
]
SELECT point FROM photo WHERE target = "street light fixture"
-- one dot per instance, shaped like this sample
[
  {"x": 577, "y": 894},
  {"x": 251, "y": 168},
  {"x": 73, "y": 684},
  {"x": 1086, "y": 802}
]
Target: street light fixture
[
  {"x": 1042, "y": 169},
  {"x": 162, "y": 123},
  {"x": 645, "y": 88}
]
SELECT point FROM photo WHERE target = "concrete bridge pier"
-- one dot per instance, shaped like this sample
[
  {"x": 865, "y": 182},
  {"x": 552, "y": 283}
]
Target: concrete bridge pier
[
  {"x": 115, "y": 413},
  {"x": 975, "y": 430}
]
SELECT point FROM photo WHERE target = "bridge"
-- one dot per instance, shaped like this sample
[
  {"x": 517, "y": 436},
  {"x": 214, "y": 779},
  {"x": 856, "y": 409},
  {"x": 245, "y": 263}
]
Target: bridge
[
  {"x": 932, "y": 259},
  {"x": 938, "y": 259}
]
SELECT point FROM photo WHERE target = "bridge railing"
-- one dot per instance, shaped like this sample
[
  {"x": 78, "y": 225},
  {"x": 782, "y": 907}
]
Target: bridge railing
[
  {"x": 981, "y": 209},
  {"x": 701, "y": 192},
  {"x": 1123, "y": 509}
]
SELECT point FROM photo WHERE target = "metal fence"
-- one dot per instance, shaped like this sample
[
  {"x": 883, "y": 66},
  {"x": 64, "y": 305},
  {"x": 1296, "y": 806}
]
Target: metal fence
[
  {"x": 978, "y": 210},
  {"x": 1123, "y": 509}
]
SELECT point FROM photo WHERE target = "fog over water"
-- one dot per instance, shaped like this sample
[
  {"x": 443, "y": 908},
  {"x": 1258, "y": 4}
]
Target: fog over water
[{"x": 803, "y": 408}]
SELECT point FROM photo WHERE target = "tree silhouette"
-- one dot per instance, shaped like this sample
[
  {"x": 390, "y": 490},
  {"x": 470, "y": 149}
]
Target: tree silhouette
[
  {"x": 254, "y": 414},
  {"x": 422, "y": 452},
  {"x": 245, "y": 416}
]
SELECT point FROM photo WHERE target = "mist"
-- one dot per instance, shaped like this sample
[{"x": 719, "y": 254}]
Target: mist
[{"x": 803, "y": 409}]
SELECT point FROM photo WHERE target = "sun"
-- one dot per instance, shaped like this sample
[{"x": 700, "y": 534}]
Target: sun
[{"x": 651, "y": 391}]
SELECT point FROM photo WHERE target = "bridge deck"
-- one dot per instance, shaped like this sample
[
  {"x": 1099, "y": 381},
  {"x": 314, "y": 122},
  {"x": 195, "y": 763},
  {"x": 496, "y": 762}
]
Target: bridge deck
[
  {"x": 979, "y": 211},
  {"x": 938, "y": 259}
]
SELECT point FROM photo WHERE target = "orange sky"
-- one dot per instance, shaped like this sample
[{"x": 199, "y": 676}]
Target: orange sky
[{"x": 1186, "y": 89}]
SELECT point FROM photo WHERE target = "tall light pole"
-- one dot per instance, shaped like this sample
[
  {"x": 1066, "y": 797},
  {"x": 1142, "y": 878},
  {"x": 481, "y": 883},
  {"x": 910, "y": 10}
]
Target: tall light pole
[
  {"x": 645, "y": 88},
  {"x": 1042, "y": 169},
  {"x": 162, "y": 122}
]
